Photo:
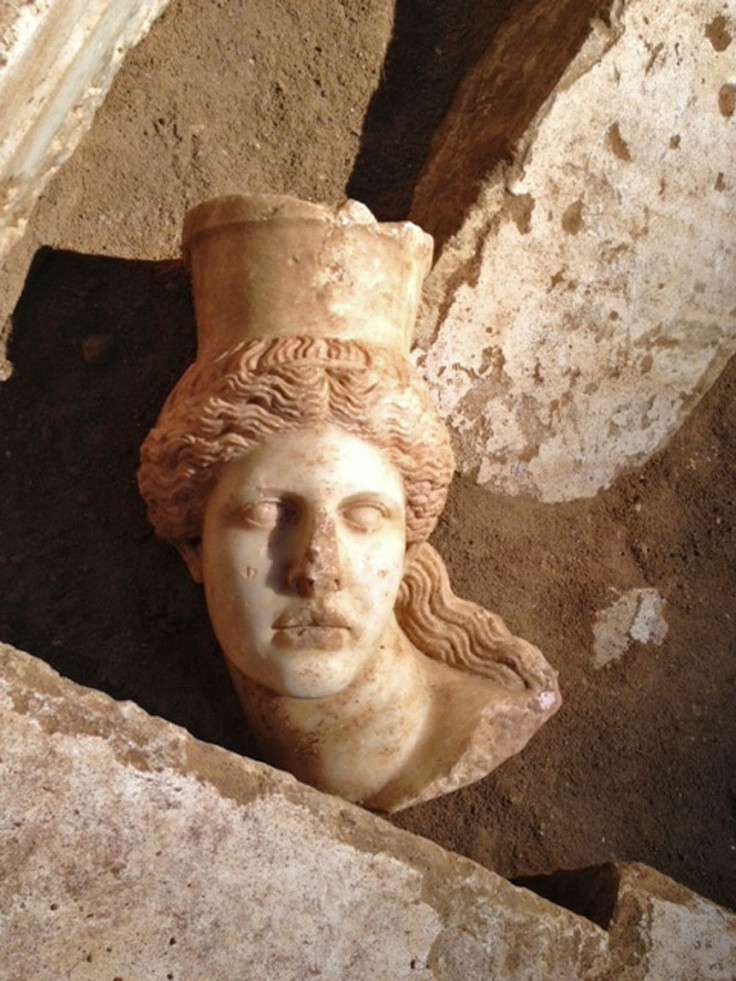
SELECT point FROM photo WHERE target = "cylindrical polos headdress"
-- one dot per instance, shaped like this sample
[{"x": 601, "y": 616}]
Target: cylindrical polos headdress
[{"x": 266, "y": 265}]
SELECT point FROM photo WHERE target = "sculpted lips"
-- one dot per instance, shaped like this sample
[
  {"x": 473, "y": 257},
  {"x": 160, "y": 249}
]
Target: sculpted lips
[{"x": 310, "y": 628}]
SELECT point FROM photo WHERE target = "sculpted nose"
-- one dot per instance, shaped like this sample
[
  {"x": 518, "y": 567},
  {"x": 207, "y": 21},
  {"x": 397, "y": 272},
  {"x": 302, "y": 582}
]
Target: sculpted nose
[{"x": 317, "y": 567}]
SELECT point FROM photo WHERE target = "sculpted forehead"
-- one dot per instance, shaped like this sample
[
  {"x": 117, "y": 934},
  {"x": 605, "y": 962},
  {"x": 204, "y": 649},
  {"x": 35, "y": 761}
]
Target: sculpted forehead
[{"x": 327, "y": 460}]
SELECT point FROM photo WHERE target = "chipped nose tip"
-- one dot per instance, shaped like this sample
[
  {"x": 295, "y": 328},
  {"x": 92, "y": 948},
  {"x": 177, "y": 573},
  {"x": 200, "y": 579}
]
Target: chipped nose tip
[{"x": 308, "y": 585}]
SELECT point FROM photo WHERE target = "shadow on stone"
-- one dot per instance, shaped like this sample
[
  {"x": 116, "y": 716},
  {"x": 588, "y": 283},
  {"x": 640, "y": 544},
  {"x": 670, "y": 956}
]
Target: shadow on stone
[
  {"x": 432, "y": 47},
  {"x": 496, "y": 103},
  {"x": 591, "y": 892}
]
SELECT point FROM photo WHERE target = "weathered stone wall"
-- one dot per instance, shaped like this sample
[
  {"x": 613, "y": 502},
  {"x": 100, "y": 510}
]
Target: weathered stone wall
[{"x": 589, "y": 297}]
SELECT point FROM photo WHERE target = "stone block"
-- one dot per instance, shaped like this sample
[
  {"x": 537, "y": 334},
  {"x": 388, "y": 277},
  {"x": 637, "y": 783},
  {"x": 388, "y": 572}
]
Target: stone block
[
  {"x": 58, "y": 59},
  {"x": 661, "y": 931},
  {"x": 132, "y": 850},
  {"x": 589, "y": 297},
  {"x": 658, "y": 930}
]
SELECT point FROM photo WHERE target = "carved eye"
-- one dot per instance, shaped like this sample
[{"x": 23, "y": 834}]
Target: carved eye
[
  {"x": 364, "y": 515},
  {"x": 271, "y": 513}
]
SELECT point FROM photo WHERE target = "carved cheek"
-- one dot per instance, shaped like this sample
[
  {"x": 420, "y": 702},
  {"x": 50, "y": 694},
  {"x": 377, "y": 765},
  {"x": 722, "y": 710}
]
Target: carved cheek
[{"x": 382, "y": 571}]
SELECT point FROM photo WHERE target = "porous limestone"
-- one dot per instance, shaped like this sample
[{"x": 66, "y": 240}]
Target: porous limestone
[
  {"x": 589, "y": 298},
  {"x": 662, "y": 931},
  {"x": 58, "y": 59},
  {"x": 132, "y": 850}
]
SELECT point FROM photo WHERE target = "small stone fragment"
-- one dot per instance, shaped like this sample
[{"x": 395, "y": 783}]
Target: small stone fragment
[{"x": 638, "y": 615}]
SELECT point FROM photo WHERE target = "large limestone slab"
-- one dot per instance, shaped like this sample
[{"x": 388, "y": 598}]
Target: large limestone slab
[
  {"x": 665, "y": 931},
  {"x": 132, "y": 850},
  {"x": 58, "y": 59},
  {"x": 589, "y": 297},
  {"x": 657, "y": 929}
]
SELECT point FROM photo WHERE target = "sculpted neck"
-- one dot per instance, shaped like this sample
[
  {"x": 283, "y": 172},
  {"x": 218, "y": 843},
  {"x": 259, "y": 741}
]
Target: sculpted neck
[{"x": 354, "y": 743}]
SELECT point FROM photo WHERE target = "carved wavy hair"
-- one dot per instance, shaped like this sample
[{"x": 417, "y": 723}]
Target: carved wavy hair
[
  {"x": 222, "y": 408},
  {"x": 464, "y": 634}
]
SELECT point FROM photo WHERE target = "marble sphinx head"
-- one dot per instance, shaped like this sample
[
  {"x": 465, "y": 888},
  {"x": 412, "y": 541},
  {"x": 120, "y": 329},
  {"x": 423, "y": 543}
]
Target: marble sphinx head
[{"x": 299, "y": 466}]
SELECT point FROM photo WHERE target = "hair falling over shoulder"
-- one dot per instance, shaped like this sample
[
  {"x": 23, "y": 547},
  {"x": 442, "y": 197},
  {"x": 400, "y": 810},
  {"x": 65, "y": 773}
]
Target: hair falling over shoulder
[{"x": 462, "y": 634}]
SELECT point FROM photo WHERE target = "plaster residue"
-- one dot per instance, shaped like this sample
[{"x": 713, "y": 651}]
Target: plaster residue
[
  {"x": 638, "y": 615},
  {"x": 614, "y": 308}
]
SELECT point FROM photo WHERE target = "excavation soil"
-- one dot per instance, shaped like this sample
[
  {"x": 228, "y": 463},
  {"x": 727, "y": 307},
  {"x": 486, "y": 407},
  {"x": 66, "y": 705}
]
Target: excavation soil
[{"x": 639, "y": 762}]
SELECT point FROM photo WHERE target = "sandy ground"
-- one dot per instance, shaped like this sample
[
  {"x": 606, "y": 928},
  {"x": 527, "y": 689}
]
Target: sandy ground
[{"x": 313, "y": 99}]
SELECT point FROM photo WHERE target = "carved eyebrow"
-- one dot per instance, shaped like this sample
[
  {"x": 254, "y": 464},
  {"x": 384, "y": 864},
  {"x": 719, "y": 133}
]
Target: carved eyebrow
[
  {"x": 385, "y": 501},
  {"x": 235, "y": 502},
  {"x": 252, "y": 493}
]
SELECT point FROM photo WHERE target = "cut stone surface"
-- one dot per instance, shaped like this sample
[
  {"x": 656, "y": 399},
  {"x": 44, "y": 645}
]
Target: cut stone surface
[
  {"x": 658, "y": 930},
  {"x": 589, "y": 298},
  {"x": 130, "y": 849},
  {"x": 664, "y": 931},
  {"x": 58, "y": 59}
]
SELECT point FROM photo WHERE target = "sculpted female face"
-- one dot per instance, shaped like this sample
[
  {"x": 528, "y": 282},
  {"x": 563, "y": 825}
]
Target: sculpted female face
[
  {"x": 301, "y": 557},
  {"x": 303, "y": 538}
]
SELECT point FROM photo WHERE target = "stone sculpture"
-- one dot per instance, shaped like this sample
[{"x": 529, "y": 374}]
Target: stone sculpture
[{"x": 299, "y": 467}]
